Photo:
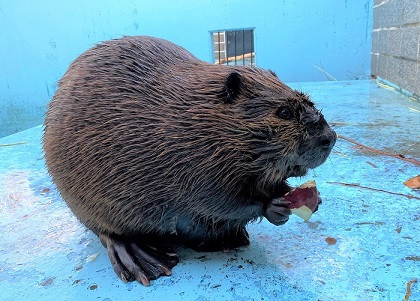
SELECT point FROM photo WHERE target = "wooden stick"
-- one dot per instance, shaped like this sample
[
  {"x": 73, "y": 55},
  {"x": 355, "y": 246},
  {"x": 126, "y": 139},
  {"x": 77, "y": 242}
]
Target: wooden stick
[
  {"x": 13, "y": 144},
  {"x": 407, "y": 295},
  {"x": 375, "y": 189},
  {"x": 235, "y": 58},
  {"x": 411, "y": 160}
]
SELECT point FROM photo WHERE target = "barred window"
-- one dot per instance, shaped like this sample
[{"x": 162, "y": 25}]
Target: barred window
[{"x": 234, "y": 47}]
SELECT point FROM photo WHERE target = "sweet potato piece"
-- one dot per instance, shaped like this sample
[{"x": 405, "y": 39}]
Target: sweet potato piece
[{"x": 304, "y": 199}]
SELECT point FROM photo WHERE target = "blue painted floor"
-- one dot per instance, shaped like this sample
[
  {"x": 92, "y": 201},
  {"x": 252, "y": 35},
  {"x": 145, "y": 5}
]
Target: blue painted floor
[{"x": 360, "y": 245}]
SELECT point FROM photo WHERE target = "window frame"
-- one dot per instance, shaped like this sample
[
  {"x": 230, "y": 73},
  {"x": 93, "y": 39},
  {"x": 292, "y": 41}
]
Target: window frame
[{"x": 244, "y": 59}]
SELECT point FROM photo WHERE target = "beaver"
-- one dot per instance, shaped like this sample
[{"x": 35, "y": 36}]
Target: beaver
[{"x": 152, "y": 148}]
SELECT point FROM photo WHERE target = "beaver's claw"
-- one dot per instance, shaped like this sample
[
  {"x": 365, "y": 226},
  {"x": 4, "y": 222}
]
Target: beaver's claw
[
  {"x": 277, "y": 212},
  {"x": 133, "y": 260}
]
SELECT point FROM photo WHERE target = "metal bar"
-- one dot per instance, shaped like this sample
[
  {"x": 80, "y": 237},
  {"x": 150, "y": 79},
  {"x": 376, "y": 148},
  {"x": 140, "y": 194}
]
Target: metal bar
[
  {"x": 218, "y": 44},
  {"x": 236, "y": 54},
  {"x": 252, "y": 45},
  {"x": 243, "y": 47},
  {"x": 226, "y": 46}
]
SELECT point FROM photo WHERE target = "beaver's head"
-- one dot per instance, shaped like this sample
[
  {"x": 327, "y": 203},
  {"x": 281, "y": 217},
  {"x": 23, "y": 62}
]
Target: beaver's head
[{"x": 287, "y": 134}]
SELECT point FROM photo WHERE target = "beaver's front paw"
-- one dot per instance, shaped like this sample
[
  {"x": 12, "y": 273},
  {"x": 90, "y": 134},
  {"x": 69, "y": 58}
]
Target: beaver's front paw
[{"x": 277, "y": 212}]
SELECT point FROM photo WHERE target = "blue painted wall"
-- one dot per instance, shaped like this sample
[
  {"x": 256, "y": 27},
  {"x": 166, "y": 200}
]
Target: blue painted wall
[{"x": 39, "y": 39}]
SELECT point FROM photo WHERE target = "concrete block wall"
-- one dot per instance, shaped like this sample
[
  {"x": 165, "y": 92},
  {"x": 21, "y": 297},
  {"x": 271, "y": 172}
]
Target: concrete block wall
[{"x": 396, "y": 43}]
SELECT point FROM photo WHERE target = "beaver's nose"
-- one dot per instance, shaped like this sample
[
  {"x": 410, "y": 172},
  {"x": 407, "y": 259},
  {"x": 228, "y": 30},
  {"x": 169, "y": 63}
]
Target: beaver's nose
[{"x": 328, "y": 138}]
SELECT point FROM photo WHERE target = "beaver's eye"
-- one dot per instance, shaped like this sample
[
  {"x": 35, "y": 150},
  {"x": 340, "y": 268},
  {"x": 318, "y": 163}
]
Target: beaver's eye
[{"x": 284, "y": 113}]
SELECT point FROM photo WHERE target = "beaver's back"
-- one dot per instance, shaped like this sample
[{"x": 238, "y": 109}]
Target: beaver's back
[{"x": 135, "y": 137}]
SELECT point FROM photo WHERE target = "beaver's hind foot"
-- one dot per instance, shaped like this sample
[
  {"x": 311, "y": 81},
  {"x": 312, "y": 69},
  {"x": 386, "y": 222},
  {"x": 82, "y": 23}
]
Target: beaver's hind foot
[{"x": 135, "y": 260}]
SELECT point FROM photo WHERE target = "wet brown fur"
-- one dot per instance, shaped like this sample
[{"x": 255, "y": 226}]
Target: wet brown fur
[{"x": 142, "y": 137}]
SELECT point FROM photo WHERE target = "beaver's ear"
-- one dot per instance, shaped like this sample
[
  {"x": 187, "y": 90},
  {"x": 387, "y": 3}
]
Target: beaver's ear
[
  {"x": 273, "y": 73},
  {"x": 233, "y": 86}
]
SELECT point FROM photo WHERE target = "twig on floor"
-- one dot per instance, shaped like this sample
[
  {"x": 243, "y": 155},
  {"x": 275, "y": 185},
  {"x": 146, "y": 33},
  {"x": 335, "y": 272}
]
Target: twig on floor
[
  {"x": 374, "y": 189},
  {"x": 329, "y": 76},
  {"x": 401, "y": 157},
  {"x": 407, "y": 295},
  {"x": 13, "y": 144},
  {"x": 340, "y": 123},
  {"x": 415, "y": 144}
]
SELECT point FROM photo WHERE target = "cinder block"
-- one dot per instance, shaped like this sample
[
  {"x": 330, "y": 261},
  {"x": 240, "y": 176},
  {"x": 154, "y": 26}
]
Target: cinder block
[
  {"x": 393, "y": 70},
  {"x": 410, "y": 42},
  {"x": 382, "y": 66},
  {"x": 392, "y": 13},
  {"x": 374, "y": 64},
  {"x": 383, "y": 41},
  {"x": 396, "y": 46},
  {"x": 377, "y": 13},
  {"x": 379, "y": 17},
  {"x": 409, "y": 73},
  {"x": 375, "y": 42},
  {"x": 395, "y": 41},
  {"x": 411, "y": 11}
]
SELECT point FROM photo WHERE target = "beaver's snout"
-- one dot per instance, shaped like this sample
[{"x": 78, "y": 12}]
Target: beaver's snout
[
  {"x": 319, "y": 130},
  {"x": 328, "y": 137},
  {"x": 314, "y": 150}
]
